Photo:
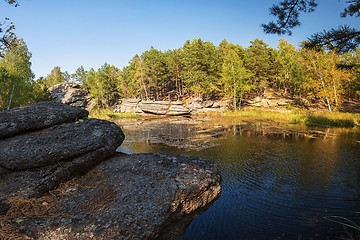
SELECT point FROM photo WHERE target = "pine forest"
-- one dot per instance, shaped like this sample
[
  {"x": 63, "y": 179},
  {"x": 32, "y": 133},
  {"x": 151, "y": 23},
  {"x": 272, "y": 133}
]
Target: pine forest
[{"x": 197, "y": 69}]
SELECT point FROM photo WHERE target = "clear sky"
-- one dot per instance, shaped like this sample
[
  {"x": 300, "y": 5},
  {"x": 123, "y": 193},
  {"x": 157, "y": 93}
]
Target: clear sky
[{"x": 71, "y": 33}]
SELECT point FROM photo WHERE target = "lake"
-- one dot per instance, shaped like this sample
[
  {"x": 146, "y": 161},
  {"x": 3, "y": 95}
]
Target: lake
[{"x": 279, "y": 182}]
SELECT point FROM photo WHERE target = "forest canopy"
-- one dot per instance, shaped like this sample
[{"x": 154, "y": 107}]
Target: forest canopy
[
  {"x": 201, "y": 69},
  {"x": 328, "y": 71}
]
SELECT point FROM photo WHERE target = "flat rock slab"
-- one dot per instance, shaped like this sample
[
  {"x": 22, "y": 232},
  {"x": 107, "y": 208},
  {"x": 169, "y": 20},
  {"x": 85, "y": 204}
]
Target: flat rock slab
[
  {"x": 163, "y": 108},
  {"x": 37, "y": 116},
  {"x": 34, "y": 163},
  {"x": 155, "y": 107},
  {"x": 140, "y": 196},
  {"x": 58, "y": 143}
]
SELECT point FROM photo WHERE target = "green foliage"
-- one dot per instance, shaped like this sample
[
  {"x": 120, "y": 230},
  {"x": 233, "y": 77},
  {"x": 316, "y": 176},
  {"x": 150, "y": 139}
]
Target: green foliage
[
  {"x": 107, "y": 114},
  {"x": 55, "y": 77},
  {"x": 287, "y": 12},
  {"x": 80, "y": 75},
  {"x": 8, "y": 38},
  {"x": 103, "y": 84},
  {"x": 324, "y": 78},
  {"x": 154, "y": 70},
  {"x": 17, "y": 86},
  {"x": 200, "y": 69},
  {"x": 346, "y": 223},
  {"x": 258, "y": 60},
  {"x": 351, "y": 62},
  {"x": 201, "y": 65},
  {"x": 234, "y": 76},
  {"x": 290, "y": 71},
  {"x": 322, "y": 119}
]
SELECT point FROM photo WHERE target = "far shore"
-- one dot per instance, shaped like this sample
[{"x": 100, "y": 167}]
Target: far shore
[{"x": 302, "y": 117}]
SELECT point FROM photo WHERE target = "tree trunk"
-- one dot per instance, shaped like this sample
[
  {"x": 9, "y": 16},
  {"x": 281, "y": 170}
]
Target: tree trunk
[
  {"x": 335, "y": 93},
  {"x": 142, "y": 80},
  {"x": 234, "y": 99},
  {"x": 336, "y": 100},
  {"x": 11, "y": 95},
  {"x": 241, "y": 96},
  {"x": 326, "y": 96}
]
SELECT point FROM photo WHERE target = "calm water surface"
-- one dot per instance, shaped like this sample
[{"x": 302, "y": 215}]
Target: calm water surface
[{"x": 275, "y": 186}]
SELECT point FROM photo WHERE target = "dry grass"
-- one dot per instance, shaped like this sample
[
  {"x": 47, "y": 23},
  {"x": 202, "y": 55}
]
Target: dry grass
[
  {"x": 320, "y": 118},
  {"x": 108, "y": 114},
  {"x": 22, "y": 209}
]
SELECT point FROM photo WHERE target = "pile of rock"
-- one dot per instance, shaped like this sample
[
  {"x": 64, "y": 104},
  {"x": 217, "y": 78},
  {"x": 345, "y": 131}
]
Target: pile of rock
[
  {"x": 169, "y": 108},
  {"x": 199, "y": 106},
  {"x": 140, "y": 196},
  {"x": 72, "y": 94}
]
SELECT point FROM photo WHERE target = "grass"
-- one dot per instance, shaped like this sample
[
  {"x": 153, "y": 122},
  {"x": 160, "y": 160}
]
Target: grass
[
  {"x": 324, "y": 119},
  {"x": 107, "y": 114},
  {"x": 346, "y": 223},
  {"x": 309, "y": 118}
]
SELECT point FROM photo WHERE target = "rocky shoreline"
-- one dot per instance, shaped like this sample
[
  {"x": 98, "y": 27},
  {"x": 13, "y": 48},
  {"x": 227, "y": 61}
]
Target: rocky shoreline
[
  {"x": 73, "y": 94},
  {"x": 65, "y": 166}
]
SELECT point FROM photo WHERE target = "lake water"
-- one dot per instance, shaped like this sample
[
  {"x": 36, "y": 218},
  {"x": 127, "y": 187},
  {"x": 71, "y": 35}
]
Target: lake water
[{"x": 276, "y": 184}]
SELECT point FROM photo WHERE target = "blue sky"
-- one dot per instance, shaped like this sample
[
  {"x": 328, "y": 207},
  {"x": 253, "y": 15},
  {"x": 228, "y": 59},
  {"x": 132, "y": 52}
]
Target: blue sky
[{"x": 71, "y": 33}]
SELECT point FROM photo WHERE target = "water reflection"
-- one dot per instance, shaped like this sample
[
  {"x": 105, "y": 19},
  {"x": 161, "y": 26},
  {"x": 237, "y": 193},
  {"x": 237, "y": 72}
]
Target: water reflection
[{"x": 277, "y": 183}]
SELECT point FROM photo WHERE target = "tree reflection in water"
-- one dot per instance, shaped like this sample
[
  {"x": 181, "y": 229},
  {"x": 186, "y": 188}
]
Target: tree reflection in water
[{"x": 279, "y": 182}]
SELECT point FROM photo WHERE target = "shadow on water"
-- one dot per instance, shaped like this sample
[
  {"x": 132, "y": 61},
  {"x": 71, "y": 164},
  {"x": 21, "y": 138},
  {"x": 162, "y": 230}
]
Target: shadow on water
[{"x": 279, "y": 182}]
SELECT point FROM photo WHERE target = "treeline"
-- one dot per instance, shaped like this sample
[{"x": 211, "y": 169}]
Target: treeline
[{"x": 206, "y": 71}]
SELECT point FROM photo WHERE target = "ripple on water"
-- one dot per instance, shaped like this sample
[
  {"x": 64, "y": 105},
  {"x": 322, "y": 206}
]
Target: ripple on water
[
  {"x": 281, "y": 189},
  {"x": 274, "y": 187}
]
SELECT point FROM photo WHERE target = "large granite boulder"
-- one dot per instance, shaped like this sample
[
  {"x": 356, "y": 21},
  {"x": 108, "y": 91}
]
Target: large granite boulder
[
  {"x": 141, "y": 196},
  {"x": 49, "y": 152},
  {"x": 37, "y": 116},
  {"x": 72, "y": 94},
  {"x": 59, "y": 143}
]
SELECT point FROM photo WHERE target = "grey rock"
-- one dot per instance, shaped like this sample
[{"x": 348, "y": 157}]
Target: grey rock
[
  {"x": 38, "y": 181},
  {"x": 196, "y": 107},
  {"x": 71, "y": 94},
  {"x": 58, "y": 143},
  {"x": 155, "y": 107},
  {"x": 208, "y": 104},
  {"x": 141, "y": 196},
  {"x": 164, "y": 108},
  {"x": 67, "y": 92},
  {"x": 4, "y": 207},
  {"x": 130, "y": 105},
  {"x": 38, "y": 162},
  {"x": 37, "y": 116},
  {"x": 131, "y": 100},
  {"x": 177, "y": 109}
]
